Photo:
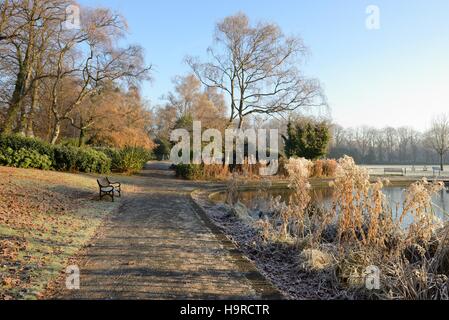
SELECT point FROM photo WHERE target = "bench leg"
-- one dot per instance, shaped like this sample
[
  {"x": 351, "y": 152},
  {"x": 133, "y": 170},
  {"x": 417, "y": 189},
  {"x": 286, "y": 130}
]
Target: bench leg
[{"x": 111, "y": 194}]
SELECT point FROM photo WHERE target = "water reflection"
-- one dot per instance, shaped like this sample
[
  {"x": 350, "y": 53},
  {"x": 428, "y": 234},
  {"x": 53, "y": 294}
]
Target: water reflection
[{"x": 259, "y": 200}]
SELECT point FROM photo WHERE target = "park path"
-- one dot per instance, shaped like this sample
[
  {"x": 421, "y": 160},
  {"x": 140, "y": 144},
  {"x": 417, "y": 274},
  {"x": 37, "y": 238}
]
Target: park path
[{"x": 159, "y": 245}]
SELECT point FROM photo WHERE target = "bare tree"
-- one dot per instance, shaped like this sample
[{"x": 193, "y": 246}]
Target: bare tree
[
  {"x": 23, "y": 33},
  {"x": 437, "y": 137},
  {"x": 258, "y": 68},
  {"x": 98, "y": 63},
  {"x": 8, "y": 12},
  {"x": 187, "y": 89},
  {"x": 202, "y": 104}
]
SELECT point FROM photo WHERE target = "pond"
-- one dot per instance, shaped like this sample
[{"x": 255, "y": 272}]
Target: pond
[{"x": 258, "y": 200}]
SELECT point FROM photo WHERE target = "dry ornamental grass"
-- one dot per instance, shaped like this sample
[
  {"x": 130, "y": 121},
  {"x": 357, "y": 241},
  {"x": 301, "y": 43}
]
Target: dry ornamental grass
[{"x": 360, "y": 230}]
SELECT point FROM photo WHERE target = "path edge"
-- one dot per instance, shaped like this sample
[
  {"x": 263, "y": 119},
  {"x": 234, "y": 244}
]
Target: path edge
[{"x": 263, "y": 287}]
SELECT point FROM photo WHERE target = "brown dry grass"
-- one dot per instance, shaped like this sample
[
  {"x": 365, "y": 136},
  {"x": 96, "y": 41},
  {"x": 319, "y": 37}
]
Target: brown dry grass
[{"x": 360, "y": 231}]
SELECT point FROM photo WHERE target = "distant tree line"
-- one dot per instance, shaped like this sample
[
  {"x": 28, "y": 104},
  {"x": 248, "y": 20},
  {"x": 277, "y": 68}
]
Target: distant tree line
[{"x": 401, "y": 146}]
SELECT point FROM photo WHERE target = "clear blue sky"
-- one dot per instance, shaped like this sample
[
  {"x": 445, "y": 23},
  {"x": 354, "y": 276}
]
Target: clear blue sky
[{"x": 398, "y": 75}]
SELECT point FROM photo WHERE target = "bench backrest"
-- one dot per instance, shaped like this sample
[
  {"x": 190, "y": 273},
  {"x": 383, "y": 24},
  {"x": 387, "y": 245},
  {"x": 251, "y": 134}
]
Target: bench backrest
[
  {"x": 436, "y": 169},
  {"x": 103, "y": 182}
]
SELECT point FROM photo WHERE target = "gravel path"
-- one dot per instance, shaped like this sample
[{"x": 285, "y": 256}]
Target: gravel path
[{"x": 159, "y": 245}]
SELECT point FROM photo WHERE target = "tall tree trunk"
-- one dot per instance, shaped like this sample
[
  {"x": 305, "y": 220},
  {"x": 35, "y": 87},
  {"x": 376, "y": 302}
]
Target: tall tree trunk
[
  {"x": 442, "y": 161},
  {"x": 33, "y": 106},
  {"x": 22, "y": 81},
  {"x": 15, "y": 104},
  {"x": 22, "y": 127},
  {"x": 81, "y": 136},
  {"x": 240, "y": 122},
  {"x": 56, "y": 131}
]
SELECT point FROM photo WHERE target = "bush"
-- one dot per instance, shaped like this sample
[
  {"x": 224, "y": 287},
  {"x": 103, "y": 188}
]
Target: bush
[
  {"x": 24, "y": 158},
  {"x": 189, "y": 171},
  {"x": 128, "y": 159},
  {"x": 69, "y": 142},
  {"x": 65, "y": 158},
  {"x": 114, "y": 155},
  {"x": 68, "y": 158},
  {"x": 92, "y": 161},
  {"x": 133, "y": 159},
  {"x": 163, "y": 149},
  {"x": 17, "y": 142},
  {"x": 22, "y": 152}
]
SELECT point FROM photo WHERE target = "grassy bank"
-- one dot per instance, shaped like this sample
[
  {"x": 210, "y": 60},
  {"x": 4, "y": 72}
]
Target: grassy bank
[{"x": 45, "y": 218}]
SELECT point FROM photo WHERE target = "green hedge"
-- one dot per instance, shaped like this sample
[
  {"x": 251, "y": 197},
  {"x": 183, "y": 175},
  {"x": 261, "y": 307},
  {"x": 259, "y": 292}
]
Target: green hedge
[
  {"x": 16, "y": 142},
  {"x": 21, "y": 152},
  {"x": 24, "y": 158},
  {"x": 90, "y": 160},
  {"x": 68, "y": 158}
]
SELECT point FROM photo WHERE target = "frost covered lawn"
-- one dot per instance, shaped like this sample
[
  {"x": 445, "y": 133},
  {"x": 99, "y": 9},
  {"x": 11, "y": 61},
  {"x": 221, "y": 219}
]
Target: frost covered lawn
[{"x": 45, "y": 218}]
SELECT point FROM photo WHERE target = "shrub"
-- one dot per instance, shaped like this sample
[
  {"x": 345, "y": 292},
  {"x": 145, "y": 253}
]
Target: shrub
[
  {"x": 163, "y": 149},
  {"x": 24, "y": 158},
  {"x": 69, "y": 158},
  {"x": 65, "y": 158},
  {"x": 92, "y": 161},
  {"x": 114, "y": 155},
  {"x": 133, "y": 159},
  {"x": 307, "y": 138},
  {"x": 70, "y": 142},
  {"x": 189, "y": 171},
  {"x": 22, "y": 152},
  {"x": 17, "y": 142},
  {"x": 128, "y": 159}
]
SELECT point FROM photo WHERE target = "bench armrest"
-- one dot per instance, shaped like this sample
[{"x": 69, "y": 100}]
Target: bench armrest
[{"x": 113, "y": 182}]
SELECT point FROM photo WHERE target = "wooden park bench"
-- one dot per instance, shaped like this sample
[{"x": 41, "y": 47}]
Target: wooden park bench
[
  {"x": 436, "y": 170},
  {"x": 394, "y": 171},
  {"x": 109, "y": 188},
  {"x": 117, "y": 186}
]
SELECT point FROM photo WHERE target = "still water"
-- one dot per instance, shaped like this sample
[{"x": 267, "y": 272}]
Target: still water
[{"x": 257, "y": 200}]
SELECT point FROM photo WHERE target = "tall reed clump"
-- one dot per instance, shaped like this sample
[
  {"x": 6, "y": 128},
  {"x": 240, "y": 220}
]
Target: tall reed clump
[
  {"x": 359, "y": 205},
  {"x": 202, "y": 171},
  {"x": 409, "y": 246},
  {"x": 290, "y": 221},
  {"x": 216, "y": 171},
  {"x": 295, "y": 214},
  {"x": 318, "y": 168}
]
